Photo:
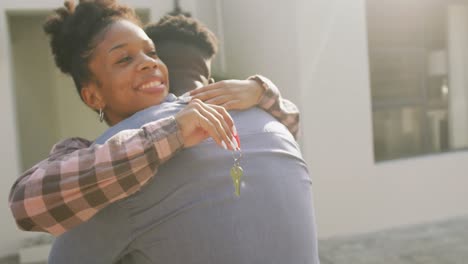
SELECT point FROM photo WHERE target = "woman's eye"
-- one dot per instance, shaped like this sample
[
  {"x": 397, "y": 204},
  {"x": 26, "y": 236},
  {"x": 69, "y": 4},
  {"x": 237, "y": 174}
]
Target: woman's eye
[
  {"x": 124, "y": 59},
  {"x": 152, "y": 53}
]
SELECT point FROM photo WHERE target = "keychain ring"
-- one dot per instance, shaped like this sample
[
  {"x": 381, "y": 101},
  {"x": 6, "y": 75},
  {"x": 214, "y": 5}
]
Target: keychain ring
[{"x": 238, "y": 157}]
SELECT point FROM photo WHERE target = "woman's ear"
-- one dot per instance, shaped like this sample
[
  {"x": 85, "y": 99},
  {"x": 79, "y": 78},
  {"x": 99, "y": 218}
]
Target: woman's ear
[{"x": 92, "y": 97}]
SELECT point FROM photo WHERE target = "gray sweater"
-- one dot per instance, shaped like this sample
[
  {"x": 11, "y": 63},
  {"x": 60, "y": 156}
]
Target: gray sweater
[{"x": 189, "y": 213}]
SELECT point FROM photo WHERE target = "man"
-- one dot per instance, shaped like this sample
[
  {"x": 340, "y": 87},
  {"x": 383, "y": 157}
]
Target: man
[{"x": 189, "y": 213}]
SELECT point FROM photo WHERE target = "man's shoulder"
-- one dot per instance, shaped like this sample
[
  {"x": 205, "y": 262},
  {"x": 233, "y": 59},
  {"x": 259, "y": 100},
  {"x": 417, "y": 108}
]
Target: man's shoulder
[
  {"x": 257, "y": 121},
  {"x": 141, "y": 118}
]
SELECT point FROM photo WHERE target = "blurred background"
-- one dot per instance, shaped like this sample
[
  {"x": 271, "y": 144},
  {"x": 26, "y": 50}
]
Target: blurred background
[{"x": 383, "y": 90}]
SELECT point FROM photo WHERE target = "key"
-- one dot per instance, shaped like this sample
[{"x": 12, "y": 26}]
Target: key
[{"x": 236, "y": 174}]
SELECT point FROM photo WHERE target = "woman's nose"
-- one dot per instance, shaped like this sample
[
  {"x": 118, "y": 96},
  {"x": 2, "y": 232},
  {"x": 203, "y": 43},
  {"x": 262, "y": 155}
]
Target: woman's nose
[{"x": 148, "y": 63}]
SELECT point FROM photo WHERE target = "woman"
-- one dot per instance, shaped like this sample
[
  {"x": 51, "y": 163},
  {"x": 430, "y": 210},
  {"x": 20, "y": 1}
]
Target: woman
[{"x": 117, "y": 73}]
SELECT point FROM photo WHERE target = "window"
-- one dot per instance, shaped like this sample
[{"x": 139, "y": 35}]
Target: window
[{"x": 418, "y": 56}]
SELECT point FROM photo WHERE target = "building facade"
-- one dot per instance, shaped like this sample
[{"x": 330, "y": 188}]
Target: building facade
[{"x": 315, "y": 51}]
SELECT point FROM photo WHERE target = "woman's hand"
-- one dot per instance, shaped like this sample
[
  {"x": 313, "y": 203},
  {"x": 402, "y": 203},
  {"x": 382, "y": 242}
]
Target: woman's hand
[
  {"x": 230, "y": 94},
  {"x": 198, "y": 121}
]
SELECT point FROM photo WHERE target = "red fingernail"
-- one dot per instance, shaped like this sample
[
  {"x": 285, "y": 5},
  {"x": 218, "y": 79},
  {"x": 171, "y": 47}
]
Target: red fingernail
[{"x": 236, "y": 138}]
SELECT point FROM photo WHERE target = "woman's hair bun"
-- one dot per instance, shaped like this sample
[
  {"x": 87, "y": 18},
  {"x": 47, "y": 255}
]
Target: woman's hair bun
[
  {"x": 57, "y": 26},
  {"x": 72, "y": 31}
]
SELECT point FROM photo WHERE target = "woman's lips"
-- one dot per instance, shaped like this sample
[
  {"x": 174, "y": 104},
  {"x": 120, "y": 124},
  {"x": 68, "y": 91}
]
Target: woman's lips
[{"x": 152, "y": 87}]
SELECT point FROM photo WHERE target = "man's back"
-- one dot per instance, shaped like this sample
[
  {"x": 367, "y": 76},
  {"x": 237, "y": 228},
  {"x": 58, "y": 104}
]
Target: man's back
[{"x": 190, "y": 214}]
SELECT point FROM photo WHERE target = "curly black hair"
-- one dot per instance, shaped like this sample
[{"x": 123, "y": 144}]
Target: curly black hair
[
  {"x": 73, "y": 31},
  {"x": 184, "y": 29}
]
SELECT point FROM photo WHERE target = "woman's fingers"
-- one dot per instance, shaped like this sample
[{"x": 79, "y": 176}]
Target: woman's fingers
[
  {"x": 209, "y": 127},
  {"x": 207, "y": 95},
  {"x": 208, "y": 87},
  {"x": 228, "y": 123},
  {"x": 199, "y": 120},
  {"x": 219, "y": 128},
  {"x": 218, "y": 100},
  {"x": 232, "y": 104},
  {"x": 233, "y": 94}
]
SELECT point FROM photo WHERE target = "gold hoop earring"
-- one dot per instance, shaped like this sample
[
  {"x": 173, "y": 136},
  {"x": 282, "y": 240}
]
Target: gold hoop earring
[{"x": 101, "y": 115}]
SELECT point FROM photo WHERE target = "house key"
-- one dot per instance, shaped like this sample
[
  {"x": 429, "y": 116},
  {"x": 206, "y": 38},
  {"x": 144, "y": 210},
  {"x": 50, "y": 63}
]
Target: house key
[{"x": 236, "y": 174}]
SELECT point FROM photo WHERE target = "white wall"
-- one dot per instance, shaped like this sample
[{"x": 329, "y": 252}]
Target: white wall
[
  {"x": 34, "y": 93},
  {"x": 74, "y": 118},
  {"x": 316, "y": 51},
  {"x": 210, "y": 13},
  {"x": 9, "y": 163},
  {"x": 353, "y": 194},
  {"x": 260, "y": 37},
  {"x": 457, "y": 41}
]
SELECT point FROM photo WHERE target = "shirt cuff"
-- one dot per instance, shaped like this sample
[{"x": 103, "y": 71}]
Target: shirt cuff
[
  {"x": 166, "y": 135},
  {"x": 270, "y": 91}
]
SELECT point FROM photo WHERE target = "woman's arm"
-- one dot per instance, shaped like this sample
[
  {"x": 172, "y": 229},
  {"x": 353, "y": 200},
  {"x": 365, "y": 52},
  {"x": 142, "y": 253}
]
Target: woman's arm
[
  {"x": 79, "y": 179},
  {"x": 255, "y": 91}
]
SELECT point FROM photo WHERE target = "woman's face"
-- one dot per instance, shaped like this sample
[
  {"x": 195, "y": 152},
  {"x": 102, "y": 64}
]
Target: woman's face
[{"x": 128, "y": 74}]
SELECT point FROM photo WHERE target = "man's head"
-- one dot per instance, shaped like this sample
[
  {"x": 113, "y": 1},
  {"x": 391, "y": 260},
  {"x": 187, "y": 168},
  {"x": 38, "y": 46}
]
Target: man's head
[{"x": 186, "y": 46}]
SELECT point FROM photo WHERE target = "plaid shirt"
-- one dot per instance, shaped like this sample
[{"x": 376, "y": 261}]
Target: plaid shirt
[{"x": 80, "y": 178}]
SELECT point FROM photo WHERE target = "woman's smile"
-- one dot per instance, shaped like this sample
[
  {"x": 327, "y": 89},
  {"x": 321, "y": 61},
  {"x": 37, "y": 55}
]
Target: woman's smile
[{"x": 152, "y": 85}]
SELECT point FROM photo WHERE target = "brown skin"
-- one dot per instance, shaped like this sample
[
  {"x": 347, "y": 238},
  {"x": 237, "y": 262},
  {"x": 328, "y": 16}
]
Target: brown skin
[
  {"x": 190, "y": 69},
  {"x": 129, "y": 77},
  {"x": 231, "y": 94},
  {"x": 123, "y": 62}
]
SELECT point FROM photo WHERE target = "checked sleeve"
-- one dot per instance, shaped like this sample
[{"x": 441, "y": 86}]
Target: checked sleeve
[
  {"x": 80, "y": 178},
  {"x": 282, "y": 109}
]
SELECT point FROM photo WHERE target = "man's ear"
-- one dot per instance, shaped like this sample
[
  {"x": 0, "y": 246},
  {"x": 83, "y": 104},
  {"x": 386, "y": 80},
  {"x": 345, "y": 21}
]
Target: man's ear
[{"x": 92, "y": 97}]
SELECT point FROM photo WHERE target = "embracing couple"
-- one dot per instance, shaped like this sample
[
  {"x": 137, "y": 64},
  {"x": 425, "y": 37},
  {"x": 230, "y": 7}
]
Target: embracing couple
[{"x": 157, "y": 186}]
